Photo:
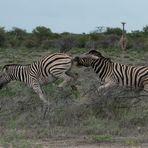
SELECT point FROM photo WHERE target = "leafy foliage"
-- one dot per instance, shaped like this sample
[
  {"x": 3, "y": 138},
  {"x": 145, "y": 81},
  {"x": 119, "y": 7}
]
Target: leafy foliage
[
  {"x": 41, "y": 33},
  {"x": 2, "y": 36},
  {"x": 116, "y": 31},
  {"x": 43, "y": 37}
]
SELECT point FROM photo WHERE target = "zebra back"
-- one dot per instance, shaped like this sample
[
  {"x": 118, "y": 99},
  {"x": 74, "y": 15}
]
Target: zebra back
[
  {"x": 133, "y": 76},
  {"x": 5, "y": 67}
]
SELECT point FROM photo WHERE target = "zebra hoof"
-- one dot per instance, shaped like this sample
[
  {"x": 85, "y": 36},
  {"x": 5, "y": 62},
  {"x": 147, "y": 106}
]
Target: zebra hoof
[{"x": 46, "y": 108}]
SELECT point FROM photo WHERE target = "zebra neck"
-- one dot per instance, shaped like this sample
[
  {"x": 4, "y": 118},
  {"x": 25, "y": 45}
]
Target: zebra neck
[{"x": 102, "y": 68}]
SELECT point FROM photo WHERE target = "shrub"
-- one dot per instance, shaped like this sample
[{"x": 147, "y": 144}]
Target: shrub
[
  {"x": 30, "y": 43},
  {"x": 2, "y": 37},
  {"x": 66, "y": 43}
]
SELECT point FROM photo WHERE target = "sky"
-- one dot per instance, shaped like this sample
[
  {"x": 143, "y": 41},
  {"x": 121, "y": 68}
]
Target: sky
[{"x": 75, "y": 16}]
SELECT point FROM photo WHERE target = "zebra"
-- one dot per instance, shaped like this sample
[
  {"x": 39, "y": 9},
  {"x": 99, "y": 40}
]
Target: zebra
[
  {"x": 44, "y": 71},
  {"x": 112, "y": 74}
]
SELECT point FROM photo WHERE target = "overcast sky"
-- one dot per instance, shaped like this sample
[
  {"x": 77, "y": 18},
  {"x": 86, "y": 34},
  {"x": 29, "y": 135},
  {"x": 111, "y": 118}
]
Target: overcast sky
[{"x": 76, "y": 16}]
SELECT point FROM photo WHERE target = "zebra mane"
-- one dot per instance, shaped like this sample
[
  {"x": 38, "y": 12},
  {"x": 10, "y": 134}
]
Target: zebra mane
[{"x": 98, "y": 54}]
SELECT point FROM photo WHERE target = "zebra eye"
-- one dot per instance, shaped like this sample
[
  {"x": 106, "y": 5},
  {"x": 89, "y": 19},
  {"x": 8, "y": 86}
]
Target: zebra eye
[{"x": 84, "y": 60}]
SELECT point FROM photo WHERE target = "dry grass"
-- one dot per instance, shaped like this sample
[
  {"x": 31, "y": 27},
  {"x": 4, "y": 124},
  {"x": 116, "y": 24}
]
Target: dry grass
[{"x": 116, "y": 112}]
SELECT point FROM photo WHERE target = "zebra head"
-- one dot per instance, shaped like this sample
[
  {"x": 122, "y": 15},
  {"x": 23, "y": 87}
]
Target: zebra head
[
  {"x": 4, "y": 79},
  {"x": 85, "y": 59},
  {"x": 89, "y": 58},
  {"x": 5, "y": 75}
]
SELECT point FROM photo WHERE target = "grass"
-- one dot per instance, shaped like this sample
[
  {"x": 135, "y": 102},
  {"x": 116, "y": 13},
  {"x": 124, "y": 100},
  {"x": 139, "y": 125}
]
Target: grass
[
  {"x": 14, "y": 138},
  {"x": 21, "y": 109},
  {"x": 132, "y": 142},
  {"x": 102, "y": 138}
]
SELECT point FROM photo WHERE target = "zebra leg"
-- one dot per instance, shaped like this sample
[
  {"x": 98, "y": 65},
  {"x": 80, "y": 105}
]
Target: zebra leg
[
  {"x": 146, "y": 87},
  {"x": 107, "y": 85},
  {"x": 66, "y": 81},
  {"x": 38, "y": 90},
  {"x": 46, "y": 104}
]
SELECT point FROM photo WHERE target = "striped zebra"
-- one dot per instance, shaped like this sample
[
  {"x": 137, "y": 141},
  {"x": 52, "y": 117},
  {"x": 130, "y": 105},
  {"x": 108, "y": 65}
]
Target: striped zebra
[
  {"x": 44, "y": 71},
  {"x": 114, "y": 73}
]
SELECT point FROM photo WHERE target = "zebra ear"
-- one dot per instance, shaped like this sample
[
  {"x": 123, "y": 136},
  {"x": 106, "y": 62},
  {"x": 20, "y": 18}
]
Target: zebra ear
[
  {"x": 96, "y": 53},
  {"x": 5, "y": 68}
]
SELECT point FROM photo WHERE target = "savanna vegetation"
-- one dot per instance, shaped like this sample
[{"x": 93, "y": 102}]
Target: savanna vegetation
[
  {"x": 43, "y": 38},
  {"x": 114, "y": 115}
]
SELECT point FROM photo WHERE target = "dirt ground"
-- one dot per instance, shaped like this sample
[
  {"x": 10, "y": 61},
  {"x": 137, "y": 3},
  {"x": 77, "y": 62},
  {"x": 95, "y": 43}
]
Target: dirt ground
[{"x": 78, "y": 143}]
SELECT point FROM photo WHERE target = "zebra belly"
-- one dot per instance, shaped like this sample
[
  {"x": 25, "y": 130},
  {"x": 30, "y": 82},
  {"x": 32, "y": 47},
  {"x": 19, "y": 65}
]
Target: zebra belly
[{"x": 46, "y": 80}]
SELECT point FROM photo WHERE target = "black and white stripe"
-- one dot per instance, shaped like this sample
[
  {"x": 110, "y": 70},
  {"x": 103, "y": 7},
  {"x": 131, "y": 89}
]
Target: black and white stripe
[
  {"x": 41, "y": 72},
  {"x": 114, "y": 73}
]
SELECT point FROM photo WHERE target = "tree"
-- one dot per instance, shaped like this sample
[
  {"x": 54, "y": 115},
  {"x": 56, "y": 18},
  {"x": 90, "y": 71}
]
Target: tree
[
  {"x": 42, "y": 33},
  {"x": 2, "y": 36},
  {"x": 136, "y": 33},
  {"x": 100, "y": 29},
  {"x": 16, "y": 37},
  {"x": 18, "y": 33},
  {"x": 66, "y": 43},
  {"x": 145, "y": 30},
  {"x": 117, "y": 31}
]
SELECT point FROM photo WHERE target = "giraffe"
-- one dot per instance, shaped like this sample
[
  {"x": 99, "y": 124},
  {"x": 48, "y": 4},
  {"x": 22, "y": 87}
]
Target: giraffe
[{"x": 123, "y": 39}]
